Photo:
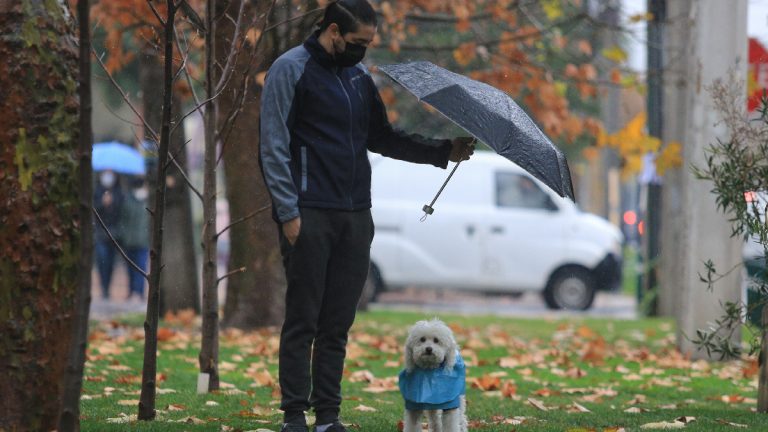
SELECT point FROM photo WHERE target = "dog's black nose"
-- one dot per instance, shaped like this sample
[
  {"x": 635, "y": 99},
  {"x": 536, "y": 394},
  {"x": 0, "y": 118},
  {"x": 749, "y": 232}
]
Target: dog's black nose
[{"x": 428, "y": 350}]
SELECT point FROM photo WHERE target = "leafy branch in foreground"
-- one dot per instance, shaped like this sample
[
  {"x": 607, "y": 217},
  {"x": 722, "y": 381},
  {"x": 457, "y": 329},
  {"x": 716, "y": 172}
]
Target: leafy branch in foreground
[{"x": 738, "y": 170}]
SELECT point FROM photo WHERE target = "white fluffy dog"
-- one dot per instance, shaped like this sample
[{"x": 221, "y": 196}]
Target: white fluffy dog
[{"x": 433, "y": 382}]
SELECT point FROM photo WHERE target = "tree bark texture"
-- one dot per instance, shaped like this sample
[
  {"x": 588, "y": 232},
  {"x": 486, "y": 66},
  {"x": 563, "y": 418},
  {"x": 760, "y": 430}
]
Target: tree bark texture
[
  {"x": 69, "y": 420},
  {"x": 39, "y": 227},
  {"x": 255, "y": 297},
  {"x": 209, "y": 349},
  {"x": 179, "y": 287},
  {"x": 149, "y": 368}
]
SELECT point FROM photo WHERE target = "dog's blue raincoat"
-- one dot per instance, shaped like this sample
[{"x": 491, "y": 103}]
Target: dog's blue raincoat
[{"x": 430, "y": 389}]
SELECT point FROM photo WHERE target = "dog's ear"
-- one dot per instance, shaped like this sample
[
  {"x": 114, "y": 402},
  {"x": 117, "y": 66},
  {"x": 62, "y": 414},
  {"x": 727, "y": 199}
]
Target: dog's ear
[
  {"x": 450, "y": 357},
  {"x": 409, "y": 363}
]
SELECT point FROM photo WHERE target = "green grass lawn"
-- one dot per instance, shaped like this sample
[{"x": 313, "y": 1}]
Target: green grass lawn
[{"x": 605, "y": 366}]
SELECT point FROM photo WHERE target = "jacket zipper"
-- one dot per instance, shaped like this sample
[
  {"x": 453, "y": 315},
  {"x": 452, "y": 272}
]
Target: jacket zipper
[{"x": 351, "y": 144}]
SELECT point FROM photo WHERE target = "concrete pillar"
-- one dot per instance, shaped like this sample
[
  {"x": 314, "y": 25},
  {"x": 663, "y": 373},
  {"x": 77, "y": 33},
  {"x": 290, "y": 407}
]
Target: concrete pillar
[{"x": 706, "y": 39}]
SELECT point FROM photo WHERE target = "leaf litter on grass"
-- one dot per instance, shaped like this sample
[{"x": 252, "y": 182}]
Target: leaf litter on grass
[{"x": 591, "y": 371}]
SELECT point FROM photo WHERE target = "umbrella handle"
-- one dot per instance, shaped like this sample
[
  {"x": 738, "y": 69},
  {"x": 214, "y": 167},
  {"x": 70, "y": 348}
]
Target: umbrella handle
[{"x": 428, "y": 209}]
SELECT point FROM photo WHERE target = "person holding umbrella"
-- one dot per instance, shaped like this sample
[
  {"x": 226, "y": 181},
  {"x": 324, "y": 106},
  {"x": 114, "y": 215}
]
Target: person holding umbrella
[
  {"x": 111, "y": 161},
  {"x": 320, "y": 114},
  {"x": 108, "y": 202},
  {"x": 134, "y": 234}
]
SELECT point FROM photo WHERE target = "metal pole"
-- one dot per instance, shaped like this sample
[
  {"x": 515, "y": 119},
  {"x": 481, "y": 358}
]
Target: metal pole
[{"x": 658, "y": 9}]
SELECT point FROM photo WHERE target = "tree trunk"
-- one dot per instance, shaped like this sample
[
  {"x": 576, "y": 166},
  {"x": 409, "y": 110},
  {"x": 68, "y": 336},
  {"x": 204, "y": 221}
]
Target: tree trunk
[
  {"x": 762, "y": 383},
  {"x": 149, "y": 367},
  {"x": 179, "y": 289},
  {"x": 209, "y": 349},
  {"x": 69, "y": 420},
  {"x": 255, "y": 297},
  {"x": 39, "y": 229}
]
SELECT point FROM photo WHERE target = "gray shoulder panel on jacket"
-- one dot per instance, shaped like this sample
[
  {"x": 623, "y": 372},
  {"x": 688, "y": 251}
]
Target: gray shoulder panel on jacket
[{"x": 276, "y": 102}]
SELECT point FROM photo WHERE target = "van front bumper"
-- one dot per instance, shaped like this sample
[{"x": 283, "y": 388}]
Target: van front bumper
[{"x": 607, "y": 274}]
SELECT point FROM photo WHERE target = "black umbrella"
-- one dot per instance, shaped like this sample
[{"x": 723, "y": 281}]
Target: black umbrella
[{"x": 491, "y": 116}]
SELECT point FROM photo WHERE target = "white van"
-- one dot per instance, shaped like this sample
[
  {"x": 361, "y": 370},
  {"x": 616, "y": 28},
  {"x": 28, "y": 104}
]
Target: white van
[{"x": 495, "y": 229}]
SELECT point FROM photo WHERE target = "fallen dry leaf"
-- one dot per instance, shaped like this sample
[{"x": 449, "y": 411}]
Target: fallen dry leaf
[
  {"x": 537, "y": 404},
  {"x": 508, "y": 389},
  {"x": 663, "y": 425},
  {"x": 727, "y": 423},
  {"x": 189, "y": 420},
  {"x": 123, "y": 418},
  {"x": 576, "y": 407},
  {"x": 361, "y": 376},
  {"x": 635, "y": 410},
  {"x": 364, "y": 408},
  {"x": 487, "y": 383},
  {"x": 686, "y": 419}
]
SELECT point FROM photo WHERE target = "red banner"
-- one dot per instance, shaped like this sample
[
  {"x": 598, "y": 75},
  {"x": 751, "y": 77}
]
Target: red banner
[{"x": 757, "y": 73}]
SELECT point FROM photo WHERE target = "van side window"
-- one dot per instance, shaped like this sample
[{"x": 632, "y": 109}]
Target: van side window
[{"x": 519, "y": 191}]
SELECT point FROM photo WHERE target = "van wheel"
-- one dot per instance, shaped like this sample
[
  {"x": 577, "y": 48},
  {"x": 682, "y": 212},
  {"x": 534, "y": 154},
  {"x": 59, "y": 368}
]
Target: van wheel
[
  {"x": 374, "y": 286},
  {"x": 570, "y": 288}
]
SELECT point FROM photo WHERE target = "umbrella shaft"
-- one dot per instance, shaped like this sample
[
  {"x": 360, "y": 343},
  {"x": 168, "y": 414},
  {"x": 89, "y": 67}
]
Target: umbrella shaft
[{"x": 445, "y": 183}]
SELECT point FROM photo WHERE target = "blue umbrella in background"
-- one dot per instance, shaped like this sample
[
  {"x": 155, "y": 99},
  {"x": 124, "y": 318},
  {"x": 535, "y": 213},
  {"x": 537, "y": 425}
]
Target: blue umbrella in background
[{"x": 118, "y": 157}]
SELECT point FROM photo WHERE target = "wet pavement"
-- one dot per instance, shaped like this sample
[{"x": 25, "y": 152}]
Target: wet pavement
[
  {"x": 529, "y": 305},
  {"x": 117, "y": 304}
]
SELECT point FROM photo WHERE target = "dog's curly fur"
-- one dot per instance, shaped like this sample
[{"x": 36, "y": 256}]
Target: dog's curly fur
[{"x": 429, "y": 344}]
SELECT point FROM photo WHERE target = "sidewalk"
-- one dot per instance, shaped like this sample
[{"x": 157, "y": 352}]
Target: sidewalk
[{"x": 117, "y": 304}]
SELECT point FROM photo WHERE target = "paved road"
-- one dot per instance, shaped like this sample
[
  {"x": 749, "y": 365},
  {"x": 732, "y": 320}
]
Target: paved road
[
  {"x": 422, "y": 300},
  {"x": 607, "y": 305}
]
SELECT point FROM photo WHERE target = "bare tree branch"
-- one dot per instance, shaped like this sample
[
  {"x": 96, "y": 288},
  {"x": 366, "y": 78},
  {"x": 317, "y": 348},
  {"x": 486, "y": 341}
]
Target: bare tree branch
[
  {"x": 172, "y": 159},
  {"x": 297, "y": 17},
  {"x": 233, "y": 272},
  {"x": 233, "y": 50},
  {"x": 157, "y": 14},
  {"x": 243, "y": 219},
  {"x": 125, "y": 96}
]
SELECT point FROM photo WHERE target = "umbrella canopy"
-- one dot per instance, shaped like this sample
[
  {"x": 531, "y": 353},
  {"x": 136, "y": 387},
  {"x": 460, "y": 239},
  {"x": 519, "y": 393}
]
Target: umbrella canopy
[
  {"x": 117, "y": 157},
  {"x": 491, "y": 116}
]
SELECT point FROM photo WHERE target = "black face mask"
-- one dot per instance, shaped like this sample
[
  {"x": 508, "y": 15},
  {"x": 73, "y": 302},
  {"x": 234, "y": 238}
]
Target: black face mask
[{"x": 352, "y": 55}]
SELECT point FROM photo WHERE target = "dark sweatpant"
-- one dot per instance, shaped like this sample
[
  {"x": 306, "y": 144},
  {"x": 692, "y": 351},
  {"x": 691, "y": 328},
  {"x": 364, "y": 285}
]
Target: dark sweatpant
[{"x": 326, "y": 269}]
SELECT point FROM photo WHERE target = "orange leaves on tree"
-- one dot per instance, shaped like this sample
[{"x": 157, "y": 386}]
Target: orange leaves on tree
[
  {"x": 465, "y": 53},
  {"x": 510, "y": 49},
  {"x": 615, "y": 54},
  {"x": 463, "y": 25},
  {"x": 584, "y": 47},
  {"x": 669, "y": 157},
  {"x": 615, "y": 76},
  {"x": 388, "y": 12},
  {"x": 632, "y": 143},
  {"x": 641, "y": 17},
  {"x": 387, "y": 96},
  {"x": 586, "y": 75},
  {"x": 500, "y": 11},
  {"x": 134, "y": 20},
  {"x": 528, "y": 34}
]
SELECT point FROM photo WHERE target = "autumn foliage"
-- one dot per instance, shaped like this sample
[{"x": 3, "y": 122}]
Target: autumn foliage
[{"x": 546, "y": 55}]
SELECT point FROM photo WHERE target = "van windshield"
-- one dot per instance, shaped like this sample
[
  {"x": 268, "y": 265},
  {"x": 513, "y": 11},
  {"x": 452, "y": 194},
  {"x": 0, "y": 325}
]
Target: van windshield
[{"x": 519, "y": 191}]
